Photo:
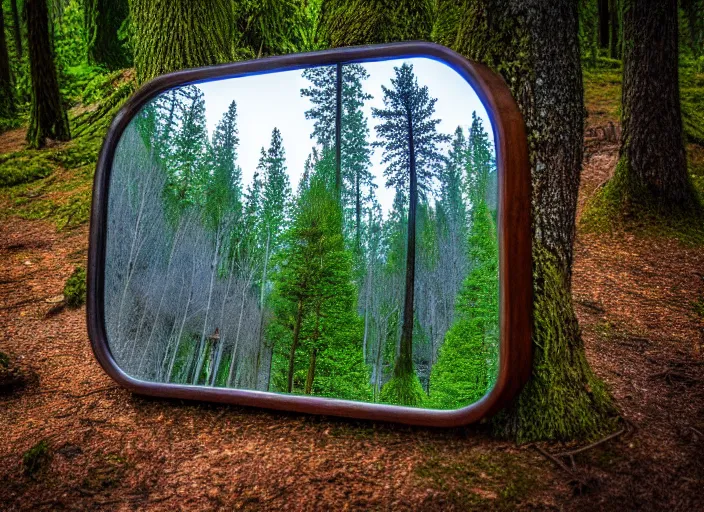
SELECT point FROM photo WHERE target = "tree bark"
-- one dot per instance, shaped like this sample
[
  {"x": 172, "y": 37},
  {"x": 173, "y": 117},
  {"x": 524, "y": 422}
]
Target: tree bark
[
  {"x": 178, "y": 34},
  {"x": 103, "y": 19},
  {"x": 7, "y": 93},
  {"x": 47, "y": 118},
  {"x": 16, "y": 29},
  {"x": 604, "y": 20},
  {"x": 563, "y": 400},
  {"x": 652, "y": 171},
  {"x": 615, "y": 39}
]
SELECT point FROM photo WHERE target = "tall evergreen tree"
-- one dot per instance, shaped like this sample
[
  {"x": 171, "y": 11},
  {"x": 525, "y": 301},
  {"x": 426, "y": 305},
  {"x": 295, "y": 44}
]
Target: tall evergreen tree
[
  {"x": 103, "y": 19},
  {"x": 318, "y": 333},
  {"x": 274, "y": 197},
  {"x": 47, "y": 116},
  {"x": 177, "y": 34},
  {"x": 7, "y": 93},
  {"x": 355, "y": 148},
  {"x": 408, "y": 134},
  {"x": 187, "y": 161},
  {"x": 468, "y": 362},
  {"x": 563, "y": 399},
  {"x": 652, "y": 170}
]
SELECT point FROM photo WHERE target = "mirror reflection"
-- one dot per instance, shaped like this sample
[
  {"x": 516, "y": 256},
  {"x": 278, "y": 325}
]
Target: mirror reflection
[{"x": 327, "y": 232}]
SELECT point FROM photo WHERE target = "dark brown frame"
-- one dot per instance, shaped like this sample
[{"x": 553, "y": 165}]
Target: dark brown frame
[{"x": 514, "y": 229}]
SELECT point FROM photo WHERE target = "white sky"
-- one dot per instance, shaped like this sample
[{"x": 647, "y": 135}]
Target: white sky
[{"x": 274, "y": 100}]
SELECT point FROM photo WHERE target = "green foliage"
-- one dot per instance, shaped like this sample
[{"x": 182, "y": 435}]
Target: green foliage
[
  {"x": 103, "y": 20},
  {"x": 468, "y": 363},
  {"x": 316, "y": 331},
  {"x": 274, "y": 27},
  {"x": 36, "y": 458},
  {"x": 75, "y": 288}
]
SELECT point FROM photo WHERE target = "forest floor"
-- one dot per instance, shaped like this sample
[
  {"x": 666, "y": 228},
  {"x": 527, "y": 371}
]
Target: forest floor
[{"x": 93, "y": 445}]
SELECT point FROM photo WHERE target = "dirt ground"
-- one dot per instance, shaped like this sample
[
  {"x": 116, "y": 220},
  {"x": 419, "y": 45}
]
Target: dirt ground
[{"x": 108, "y": 449}]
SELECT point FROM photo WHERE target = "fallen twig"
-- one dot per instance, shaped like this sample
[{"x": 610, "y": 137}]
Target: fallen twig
[
  {"x": 572, "y": 453},
  {"x": 557, "y": 461}
]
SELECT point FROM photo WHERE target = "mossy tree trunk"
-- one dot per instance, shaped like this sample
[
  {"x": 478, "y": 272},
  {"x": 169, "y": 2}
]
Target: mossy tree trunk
[
  {"x": 564, "y": 399},
  {"x": 103, "y": 19},
  {"x": 7, "y": 96},
  {"x": 178, "y": 34},
  {"x": 358, "y": 22},
  {"x": 652, "y": 170},
  {"x": 47, "y": 118}
]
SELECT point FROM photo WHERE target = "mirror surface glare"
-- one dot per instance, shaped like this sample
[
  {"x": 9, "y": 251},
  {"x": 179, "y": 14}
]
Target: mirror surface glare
[{"x": 327, "y": 232}]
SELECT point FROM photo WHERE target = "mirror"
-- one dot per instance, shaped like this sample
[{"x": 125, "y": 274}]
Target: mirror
[
  {"x": 321, "y": 233},
  {"x": 241, "y": 254}
]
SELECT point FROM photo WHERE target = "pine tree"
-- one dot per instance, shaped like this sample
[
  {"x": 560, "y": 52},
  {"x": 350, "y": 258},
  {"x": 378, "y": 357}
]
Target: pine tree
[
  {"x": 7, "y": 93},
  {"x": 409, "y": 137},
  {"x": 177, "y": 34},
  {"x": 274, "y": 200},
  {"x": 190, "y": 146},
  {"x": 468, "y": 362},
  {"x": 355, "y": 148},
  {"x": 47, "y": 117},
  {"x": 103, "y": 19},
  {"x": 317, "y": 333},
  {"x": 652, "y": 169},
  {"x": 224, "y": 188},
  {"x": 563, "y": 399}
]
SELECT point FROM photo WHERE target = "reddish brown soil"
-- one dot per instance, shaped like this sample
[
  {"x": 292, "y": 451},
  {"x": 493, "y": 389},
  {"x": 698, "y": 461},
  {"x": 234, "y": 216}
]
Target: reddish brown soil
[{"x": 111, "y": 450}]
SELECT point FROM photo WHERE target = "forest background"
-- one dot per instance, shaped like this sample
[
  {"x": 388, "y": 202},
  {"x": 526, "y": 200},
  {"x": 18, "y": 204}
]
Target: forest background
[{"x": 65, "y": 67}]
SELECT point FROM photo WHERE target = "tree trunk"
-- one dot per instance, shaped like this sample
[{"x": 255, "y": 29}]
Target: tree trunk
[
  {"x": 563, "y": 400},
  {"x": 604, "y": 19},
  {"x": 294, "y": 345},
  {"x": 47, "y": 118},
  {"x": 178, "y": 34},
  {"x": 652, "y": 170},
  {"x": 615, "y": 40},
  {"x": 103, "y": 19},
  {"x": 16, "y": 29},
  {"x": 404, "y": 364},
  {"x": 357, "y": 22},
  {"x": 7, "y": 93}
]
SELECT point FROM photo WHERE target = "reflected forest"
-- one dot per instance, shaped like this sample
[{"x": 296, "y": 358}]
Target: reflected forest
[{"x": 309, "y": 287}]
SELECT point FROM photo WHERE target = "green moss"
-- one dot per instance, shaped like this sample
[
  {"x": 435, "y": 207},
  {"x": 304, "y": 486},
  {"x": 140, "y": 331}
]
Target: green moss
[
  {"x": 404, "y": 390},
  {"x": 36, "y": 458},
  {"x": 563, "y": 399},
  {"x": 698, "y": 307},
  {"x": 24, "y": 167},
  {"x": 623, "y": 204},
  {"x": 75, "y": 288}
]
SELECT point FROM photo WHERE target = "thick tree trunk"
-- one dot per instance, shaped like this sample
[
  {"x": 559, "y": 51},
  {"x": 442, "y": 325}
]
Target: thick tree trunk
[
  {"x": 564, "y": 399},
  {"x": 652, "y": 171},
  {"x": 7, "y": 96},
  {"x": 16, "y": 28},
  {"x": 404, "y": 363},
  {"x": 103, "y": 19},
  {"x": 604, "y": 19},
  {"x": 357, "y": 22},
  {"x": 178, "y": 34},
  {"x": 615, "y": 39},
  {"x": 47, "y": 117}
]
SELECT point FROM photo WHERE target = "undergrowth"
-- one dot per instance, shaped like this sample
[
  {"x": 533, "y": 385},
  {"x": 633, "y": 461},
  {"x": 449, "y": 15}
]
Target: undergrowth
[{"x": 75, "y": 288}]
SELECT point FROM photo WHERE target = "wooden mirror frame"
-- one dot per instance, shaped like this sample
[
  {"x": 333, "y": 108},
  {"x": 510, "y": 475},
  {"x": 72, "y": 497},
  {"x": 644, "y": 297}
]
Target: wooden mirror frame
[{"x": 514, "y": 231}]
